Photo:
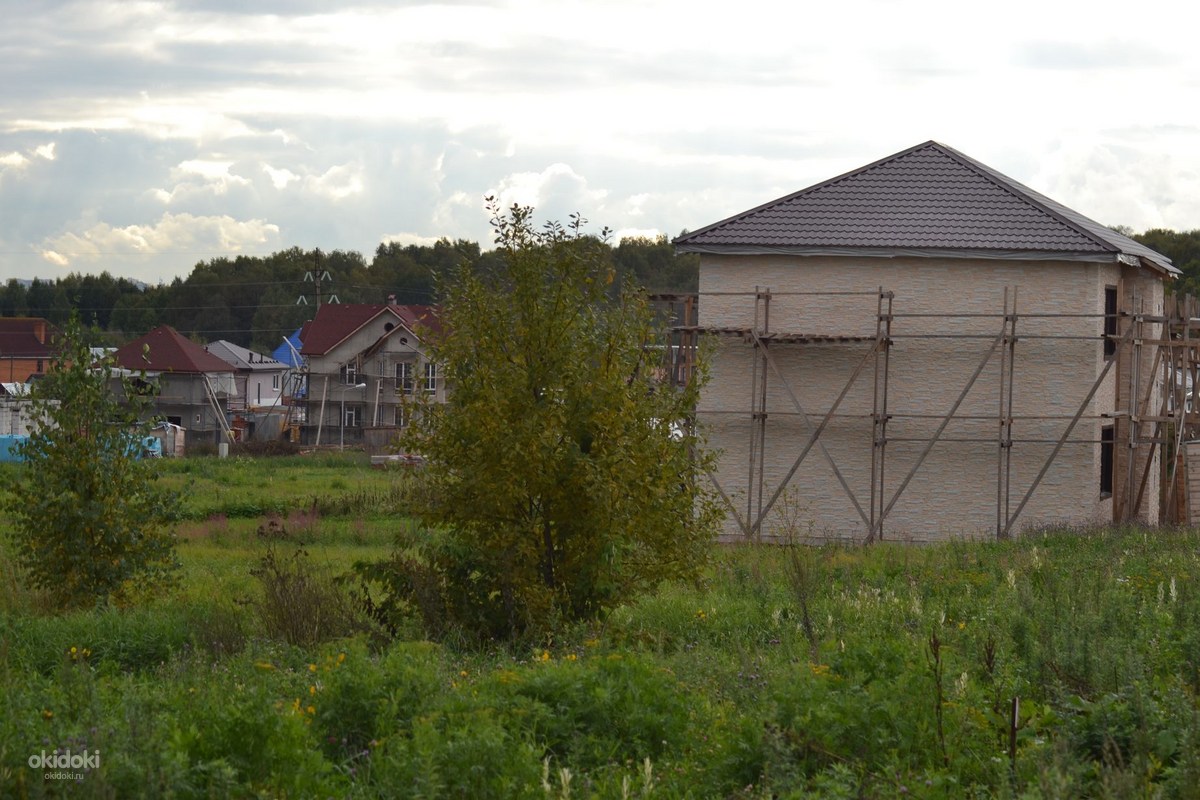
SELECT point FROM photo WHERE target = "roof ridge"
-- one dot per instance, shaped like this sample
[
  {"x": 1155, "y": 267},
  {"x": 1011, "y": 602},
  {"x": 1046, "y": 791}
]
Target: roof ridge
[
  {"x": 1023, "y": 193},
  {"x": 806, "y": 190}
]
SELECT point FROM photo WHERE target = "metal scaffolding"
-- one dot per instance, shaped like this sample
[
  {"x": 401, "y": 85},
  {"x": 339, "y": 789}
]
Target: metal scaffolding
[{"x": 1156, "y": 410}]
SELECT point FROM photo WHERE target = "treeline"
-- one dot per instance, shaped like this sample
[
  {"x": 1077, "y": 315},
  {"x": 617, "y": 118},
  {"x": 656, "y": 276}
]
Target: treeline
[
  {"x": 1183, "y": 248},
  {"x": 255, "y": 301}
]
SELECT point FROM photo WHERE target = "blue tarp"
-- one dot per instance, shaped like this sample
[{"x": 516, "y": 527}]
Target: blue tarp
[
  {"x": 8, "y": 448},
  {"x": 289, "y": 355},
  {"x": 148, "y": 447}
]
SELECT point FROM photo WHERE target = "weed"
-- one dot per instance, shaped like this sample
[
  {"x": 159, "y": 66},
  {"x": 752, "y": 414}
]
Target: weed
[{"x": 301, "y": 603}]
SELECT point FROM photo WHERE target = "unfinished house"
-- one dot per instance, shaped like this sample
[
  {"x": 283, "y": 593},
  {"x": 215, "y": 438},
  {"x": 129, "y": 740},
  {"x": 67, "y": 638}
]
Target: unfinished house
[
  {"x": 257, "y": 410},
  {"x": 924, "y": 348},
  {"x": 15, "y": 413},
  {"x": 193, "y": 387},
  {"x": 365, "y": 365},
  {"x": 259, "y": 378}
]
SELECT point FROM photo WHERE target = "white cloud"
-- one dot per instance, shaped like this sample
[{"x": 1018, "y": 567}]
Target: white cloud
[
  {"x": 280, "y": 178},
  {"x": 57, "y": 259},
  {"x": 171, "y": 234},
  {"x": 18, "y": 160},
  {"x": 636, "y": 233},
  {"x": 214, "y": 173},
  {"x": 213, "y": 170},
  {"x": 337, "y": 183},
  {"x": 552, "y": 190},
  {"x": 634, "y": 206},
  {"x": 1115, "y": 183},
  {"x": 406, "y": 239},
  {"x": 338, "y": 124}
]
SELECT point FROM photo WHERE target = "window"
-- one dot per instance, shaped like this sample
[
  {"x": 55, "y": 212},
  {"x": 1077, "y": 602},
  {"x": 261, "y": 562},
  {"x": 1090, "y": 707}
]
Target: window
[
  {"x": 350, "y": 373},
  {"x": 351, "y": 419},
  {"x": 1107, "y": 441},
  {"x": 404, "y": 377},
  {"x": 1110, "y": 321},
  {"x": 430, "y": 376},
  {"x": 275, "y": 381},
  {"x": 401, "y": 416}
]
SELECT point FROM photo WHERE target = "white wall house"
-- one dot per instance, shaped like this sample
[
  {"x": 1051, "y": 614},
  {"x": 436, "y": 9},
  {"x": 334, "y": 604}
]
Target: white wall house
[
  {"x": 365, "y": 366},
  {"x": 924, "y": 348}
]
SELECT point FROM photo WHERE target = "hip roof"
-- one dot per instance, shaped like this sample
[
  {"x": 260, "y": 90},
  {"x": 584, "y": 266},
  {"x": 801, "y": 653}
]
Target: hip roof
[{"x": 927, "y": 200}]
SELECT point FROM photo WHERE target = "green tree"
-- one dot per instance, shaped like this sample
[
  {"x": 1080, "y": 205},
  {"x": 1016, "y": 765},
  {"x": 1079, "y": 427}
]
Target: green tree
[
  {"x": 561, "y": 476},
  {"x": 653, "y": 264},
  {"x": 89, "y": 524},
  {"x": 1183, "y": 248}
]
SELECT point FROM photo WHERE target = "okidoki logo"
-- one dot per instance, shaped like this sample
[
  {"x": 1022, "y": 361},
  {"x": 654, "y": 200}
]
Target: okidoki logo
[{"x": 65, "y": 760}]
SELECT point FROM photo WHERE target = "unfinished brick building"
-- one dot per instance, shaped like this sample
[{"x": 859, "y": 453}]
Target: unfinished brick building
[{"x": 924, "y": 348}]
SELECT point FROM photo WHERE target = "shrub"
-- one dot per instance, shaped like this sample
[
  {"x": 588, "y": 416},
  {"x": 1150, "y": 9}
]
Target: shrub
[
  {"x": 563, "y": 471},
  {"x": 610, "y": 708},
  {"x": 364, "y": 701},
  {"x": 465, "y": 752},
  {"x": 89, "y": 523},
  {"x": 302, "y": 603}
]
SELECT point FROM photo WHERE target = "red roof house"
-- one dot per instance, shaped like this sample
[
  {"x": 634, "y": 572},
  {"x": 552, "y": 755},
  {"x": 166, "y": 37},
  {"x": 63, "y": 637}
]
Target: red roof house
[
  {"x": 26, "y": 347},
  {"x": 364, "y": 360},
  {"x": 193, "y": 385}
]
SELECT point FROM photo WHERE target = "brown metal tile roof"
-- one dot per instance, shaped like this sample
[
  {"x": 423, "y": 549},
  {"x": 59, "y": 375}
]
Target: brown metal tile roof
[
  {"x": 26, "y": 337},
  {"x": 168, "y": 352},
  {"x": 334, "y": 322},
  {"x": 23, "y": 345},
  {"x": 927, "y": 200}
]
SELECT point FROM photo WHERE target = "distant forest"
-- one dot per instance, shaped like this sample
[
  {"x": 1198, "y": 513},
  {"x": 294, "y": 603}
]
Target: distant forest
[{"x": 255, "y": 301}]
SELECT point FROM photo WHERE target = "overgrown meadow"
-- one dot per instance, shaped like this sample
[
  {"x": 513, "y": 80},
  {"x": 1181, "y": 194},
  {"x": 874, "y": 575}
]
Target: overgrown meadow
[{"x": 1065, "y": 664}]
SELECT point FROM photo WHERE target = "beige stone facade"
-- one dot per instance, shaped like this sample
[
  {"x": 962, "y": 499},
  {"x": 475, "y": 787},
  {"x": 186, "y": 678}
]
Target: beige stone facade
[{"x": 965, "y": 486}]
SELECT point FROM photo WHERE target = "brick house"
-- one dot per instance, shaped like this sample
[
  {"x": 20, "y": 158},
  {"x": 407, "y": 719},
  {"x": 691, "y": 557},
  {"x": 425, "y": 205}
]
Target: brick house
[
  {"x": 924, "y": 348},
  {"x": 26, "y": 348},
  {"x": 364, "y": 360}
]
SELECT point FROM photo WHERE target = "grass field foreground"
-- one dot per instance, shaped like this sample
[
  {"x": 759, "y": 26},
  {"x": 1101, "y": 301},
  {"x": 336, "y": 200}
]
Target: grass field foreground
[{"x": 1059, "y": 665}]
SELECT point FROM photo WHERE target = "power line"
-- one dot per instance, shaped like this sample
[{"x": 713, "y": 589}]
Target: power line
[{"x": 182, "y": 308}]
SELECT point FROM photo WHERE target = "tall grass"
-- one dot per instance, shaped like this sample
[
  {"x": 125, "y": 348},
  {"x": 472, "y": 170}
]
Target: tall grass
[{"x": 818, "y": 672}]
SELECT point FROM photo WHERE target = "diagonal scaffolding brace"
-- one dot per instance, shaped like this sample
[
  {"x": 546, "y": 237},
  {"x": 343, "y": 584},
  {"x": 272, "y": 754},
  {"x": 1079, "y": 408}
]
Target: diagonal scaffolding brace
[{"x": 938, "y": 433}]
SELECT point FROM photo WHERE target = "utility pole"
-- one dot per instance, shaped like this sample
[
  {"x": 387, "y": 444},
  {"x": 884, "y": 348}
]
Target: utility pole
[{"x": 315, "y": 276}]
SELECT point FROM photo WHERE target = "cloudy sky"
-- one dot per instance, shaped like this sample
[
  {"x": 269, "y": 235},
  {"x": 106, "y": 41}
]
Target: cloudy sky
[{"x": 144, "y": 137}]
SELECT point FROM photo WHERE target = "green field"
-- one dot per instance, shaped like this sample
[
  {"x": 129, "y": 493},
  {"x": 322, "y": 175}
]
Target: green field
[{"x": 816, "y": 672}]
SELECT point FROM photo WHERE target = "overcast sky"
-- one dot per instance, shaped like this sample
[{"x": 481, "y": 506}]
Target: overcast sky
[{"x": 144, "y": 137}]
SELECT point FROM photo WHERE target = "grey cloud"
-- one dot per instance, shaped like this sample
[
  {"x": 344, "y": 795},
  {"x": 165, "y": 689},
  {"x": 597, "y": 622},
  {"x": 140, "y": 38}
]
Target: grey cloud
[
  {"x": 540, "y": 63},
  {"x": 299, "y": 8},
  {"x": 1112, "y": 54},
  {"x": 70, "y": 82}
]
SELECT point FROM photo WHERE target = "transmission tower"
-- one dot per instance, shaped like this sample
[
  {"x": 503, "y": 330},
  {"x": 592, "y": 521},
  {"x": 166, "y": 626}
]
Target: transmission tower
[{"x": 315, "y": 276}]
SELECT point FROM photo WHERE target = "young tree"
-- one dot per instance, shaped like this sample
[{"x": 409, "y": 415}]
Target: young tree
[
  {"x": 89, "y": 525},
  {"x": 561, "y": 477}
]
